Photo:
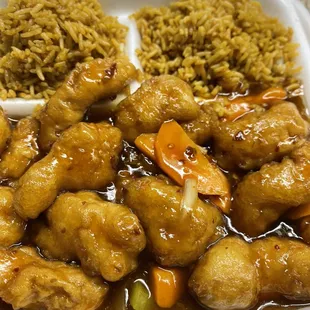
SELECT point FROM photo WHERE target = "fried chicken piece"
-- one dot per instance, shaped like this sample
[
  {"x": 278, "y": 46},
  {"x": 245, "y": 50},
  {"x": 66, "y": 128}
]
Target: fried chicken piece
[
  {"x": 283, "y": 267},
  {"x": 262, "y": 197},
  {"x": 22, "y": 149},
  {"x": 27, "y": 281},
  {"x": 230, "y": 262},
  {"x": 157, "y": 100},
  {"x": 106, "y": 237},
  {"x": 5, "y": 130},
  {"x": 232, "y": 274},
  {"x": 200, "y": 129},
  {"x": 89, "y": 82},
  {"x": 260, "y": 137},
  {"x": 84, "y": 157},
  {"x": 175, "y": 236},
  {"x": 12, "y": 227}
]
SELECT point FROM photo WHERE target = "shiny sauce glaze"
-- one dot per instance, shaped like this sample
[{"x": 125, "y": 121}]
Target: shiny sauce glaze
[
  {"x": 133, "y": 164},
  {"x": 136, "y": 164}
]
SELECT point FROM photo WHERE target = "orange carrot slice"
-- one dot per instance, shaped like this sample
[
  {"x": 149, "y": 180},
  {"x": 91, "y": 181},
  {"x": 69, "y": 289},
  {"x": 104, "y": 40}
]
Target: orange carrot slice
[
  {"x": 237, "y": 110},
  {"x": 175, "y": 160},
  {"x": 167, "y": 285},
  {"x": 145, "y": 143},
  {"x": 299, "y": 212},
  {"x": 178, "y": 156},
  {"x": 223, "y": 202},
  {"x": 242, "y": 105},
  {"x": 270, "y": 95}
]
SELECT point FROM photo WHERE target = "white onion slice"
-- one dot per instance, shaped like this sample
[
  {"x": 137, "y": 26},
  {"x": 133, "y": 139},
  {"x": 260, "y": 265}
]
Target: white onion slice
[{"x": 190, "y": 195}]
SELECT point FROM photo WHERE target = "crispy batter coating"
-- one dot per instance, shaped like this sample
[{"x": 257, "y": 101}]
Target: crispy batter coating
[
  {"x": 232, "y": 274},
  {"x": 86, "y": 84},
  {"x": 283, "y": 267},
  {"x": 12, "y": 227},
  {"x": 262, "y": 197},
  {"x": 176, "y": 237},
  {"x": 260, "y": 137},
  {"x": 27, "y": 281},
  {"x": 157, "y": 100},
  {"x": 106, "y": 237},
  {"x": 84, "y": 157},
  {"x": 200, "y": 129},
  {"x": 22, "y": 149},
  {"x": 5, "y": 130},
  {"x": 226, "y": 276}
]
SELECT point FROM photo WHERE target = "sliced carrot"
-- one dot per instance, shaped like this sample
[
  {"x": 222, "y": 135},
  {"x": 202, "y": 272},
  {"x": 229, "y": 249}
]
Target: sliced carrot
[
  {"x": 175, "y": 159},
  {"x": 242, "y": 105},
  {"x": 178, "y": 156},
  {"x": 237, "y": 110},
  {"x": 167, "y": 285},
  {"x": 270, "y": 95},
  {"x": 299, "y": 212},
  {"x": 223, "y": 202},
  {"x": 145, "y": 143}
]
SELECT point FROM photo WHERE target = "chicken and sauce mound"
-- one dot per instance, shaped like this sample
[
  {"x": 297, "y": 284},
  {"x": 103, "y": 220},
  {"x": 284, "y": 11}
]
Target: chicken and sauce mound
[{"x": 162, "y": 203}]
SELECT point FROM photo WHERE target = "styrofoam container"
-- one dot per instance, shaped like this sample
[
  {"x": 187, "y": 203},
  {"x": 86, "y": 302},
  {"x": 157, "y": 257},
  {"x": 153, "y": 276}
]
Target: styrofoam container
[{"x": 290, "y": 12}]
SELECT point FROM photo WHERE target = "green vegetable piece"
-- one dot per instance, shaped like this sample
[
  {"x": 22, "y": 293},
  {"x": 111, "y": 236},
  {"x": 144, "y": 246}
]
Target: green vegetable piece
[{"x": 140, "y": 297}]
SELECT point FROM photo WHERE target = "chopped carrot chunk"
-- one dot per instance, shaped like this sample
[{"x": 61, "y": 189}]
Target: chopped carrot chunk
[
  {"x": 242, "y": 105},
  {"x": 145, "y": 143},
  {"x": 180, "y": 158},
  {"x": 223, "y": 202},
  {"x": 237, "y": 110},
  {"x": 167, "y": 285},
  {"x": 270, "y": 95}
]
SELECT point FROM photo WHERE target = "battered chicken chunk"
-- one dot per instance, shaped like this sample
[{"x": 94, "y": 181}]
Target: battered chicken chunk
[
  {"x": 12, "y": 227},
  {"x": 27, "y": 281},
  {"x": 200, "y": 129},
  {"x": 176, "y": 237},
  {"x": 84, "y": 157},
  {"x": 157, "y": 100},
  {"x": 226, "y": 276},
  {"x": 5, "y": 130},
  {"x": 106, "y": 237},
  {"x": 22, "y": 149},
  {"x": 260, "y": 137},
  {"x": 262, "y": 197},
  {"x": 88, "y": 83},
  {"x": 232, "y": 274}
]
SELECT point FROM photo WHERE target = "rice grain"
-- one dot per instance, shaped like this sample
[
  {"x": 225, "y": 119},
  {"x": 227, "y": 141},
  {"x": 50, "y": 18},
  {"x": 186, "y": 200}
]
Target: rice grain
[
  {"x": 43, "y": 41},
  {"x": 217, "y": 46}
]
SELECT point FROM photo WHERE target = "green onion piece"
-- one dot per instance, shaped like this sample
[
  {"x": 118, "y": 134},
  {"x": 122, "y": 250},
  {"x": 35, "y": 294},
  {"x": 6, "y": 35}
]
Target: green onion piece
[{"x": 140, "y": 297}]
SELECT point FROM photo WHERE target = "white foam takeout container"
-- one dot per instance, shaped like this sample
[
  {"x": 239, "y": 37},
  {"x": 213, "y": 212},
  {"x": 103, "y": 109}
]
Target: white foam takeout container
[{"x": 290, "y": 12}]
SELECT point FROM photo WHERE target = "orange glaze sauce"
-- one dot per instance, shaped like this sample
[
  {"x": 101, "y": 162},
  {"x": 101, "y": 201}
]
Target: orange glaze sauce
[{"x": 134, "y": 164}]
